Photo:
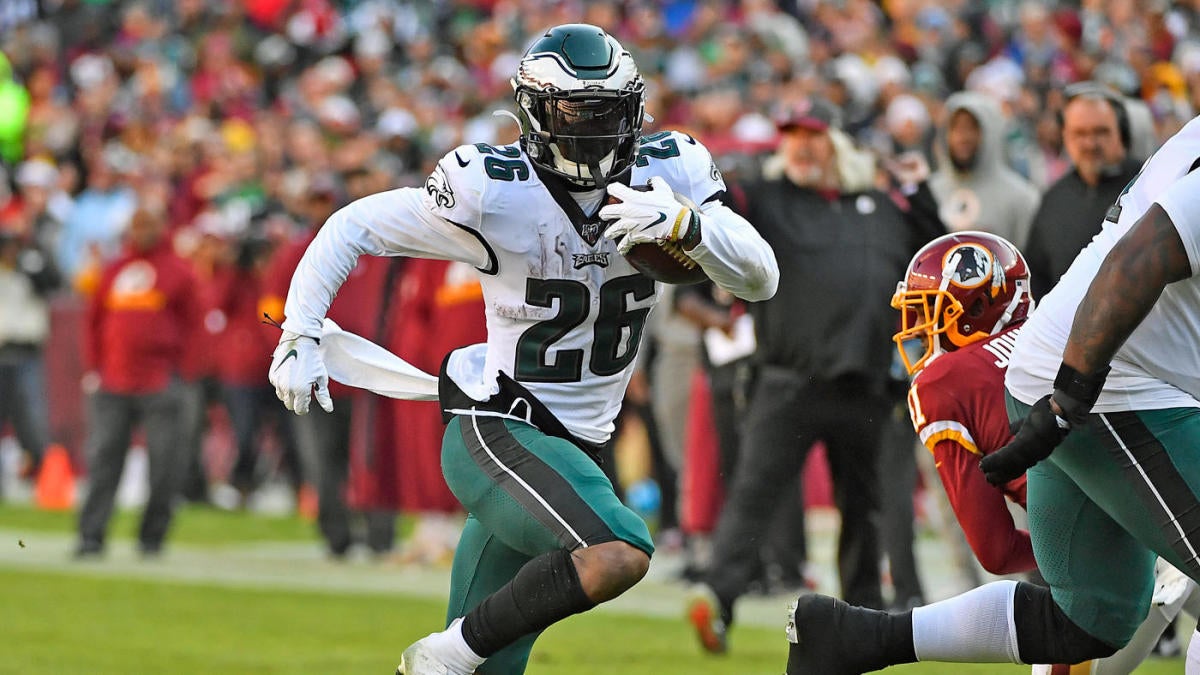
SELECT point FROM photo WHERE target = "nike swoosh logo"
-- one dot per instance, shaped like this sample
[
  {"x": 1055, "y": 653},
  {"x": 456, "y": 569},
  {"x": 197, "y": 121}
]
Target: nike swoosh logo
[
  {"x": 689, "y": 139},
  {"x": 661, "y": 217},
  {"x": 460, "y": 160},
  {"x": 291, "y": 353}
]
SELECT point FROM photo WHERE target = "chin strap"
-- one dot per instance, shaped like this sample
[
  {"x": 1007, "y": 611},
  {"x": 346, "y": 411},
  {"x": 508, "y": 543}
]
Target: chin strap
[{"x": 509, "y": 114}]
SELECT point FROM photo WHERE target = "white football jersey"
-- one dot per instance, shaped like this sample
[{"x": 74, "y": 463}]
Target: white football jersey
[
  {"x": 565, "y": 311},
  {"x": 1159, "y": 365}
]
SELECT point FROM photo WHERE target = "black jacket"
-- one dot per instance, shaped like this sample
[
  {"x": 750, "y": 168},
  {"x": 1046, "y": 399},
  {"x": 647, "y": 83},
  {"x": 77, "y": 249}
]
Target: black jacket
[
  {"x": 1071, "y": 213},
  {"x": 839, "y": 261}
]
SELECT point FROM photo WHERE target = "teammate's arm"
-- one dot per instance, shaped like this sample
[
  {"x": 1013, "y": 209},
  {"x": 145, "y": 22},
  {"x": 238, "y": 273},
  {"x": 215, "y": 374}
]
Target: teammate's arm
[{"x": 1132, "y": 277}]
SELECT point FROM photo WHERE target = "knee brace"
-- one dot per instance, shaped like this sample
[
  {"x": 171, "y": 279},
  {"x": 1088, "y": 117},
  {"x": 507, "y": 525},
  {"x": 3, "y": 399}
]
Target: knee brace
[{"x": 1046, "y": 635}]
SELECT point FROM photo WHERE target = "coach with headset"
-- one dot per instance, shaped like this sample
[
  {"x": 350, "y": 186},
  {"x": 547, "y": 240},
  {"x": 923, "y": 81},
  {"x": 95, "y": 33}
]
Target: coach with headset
[{"x": 1097, "y": 137}]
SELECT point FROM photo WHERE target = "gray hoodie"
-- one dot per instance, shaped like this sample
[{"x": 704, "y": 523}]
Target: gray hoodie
[{"x": 989, "y": 196}]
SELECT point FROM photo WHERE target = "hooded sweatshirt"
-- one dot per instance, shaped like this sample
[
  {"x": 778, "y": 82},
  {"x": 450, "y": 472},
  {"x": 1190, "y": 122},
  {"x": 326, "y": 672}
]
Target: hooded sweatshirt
[{"x": 989, "y": 196}]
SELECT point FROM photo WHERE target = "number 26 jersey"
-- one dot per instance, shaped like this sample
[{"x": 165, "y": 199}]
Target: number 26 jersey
[{"x": 564, "y": 310}]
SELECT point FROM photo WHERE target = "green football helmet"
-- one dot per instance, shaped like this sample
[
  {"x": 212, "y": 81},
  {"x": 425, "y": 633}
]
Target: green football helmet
[{"x": 580, "y": 103}]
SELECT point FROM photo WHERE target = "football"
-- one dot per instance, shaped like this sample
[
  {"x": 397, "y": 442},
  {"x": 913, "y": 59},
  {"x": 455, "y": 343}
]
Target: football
[{"x": 663, "y": 261}]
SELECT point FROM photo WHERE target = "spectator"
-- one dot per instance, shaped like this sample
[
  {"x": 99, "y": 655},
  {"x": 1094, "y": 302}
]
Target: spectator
[
  {"x": 139, "y": 319},
  {"x": 676, "y": 356},
  {"x": 14, "y": 115},
  {"x": 27, "y": 277},
  {"x": 730, "y": 377},
  {"x": 1095, "y": 135},
  {"x": 324, "y": 438},
  {"x": 206, "y": 249},
  {"x": 823, "y": 357},
  {"x": 242, "y": 369},
  {"x": 92, "y": 233},
  {"x": 973, "y": 187}
]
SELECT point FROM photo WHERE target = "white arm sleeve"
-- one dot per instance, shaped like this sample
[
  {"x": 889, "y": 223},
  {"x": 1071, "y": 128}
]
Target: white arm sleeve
[
  {"x": 393, "y": 223},
  {"x": 1181, "y": 201},
  {"x": 734, "y": 255}
]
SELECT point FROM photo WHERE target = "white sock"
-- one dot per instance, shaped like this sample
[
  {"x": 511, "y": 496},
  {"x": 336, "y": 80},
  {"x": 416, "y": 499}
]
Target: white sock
[
  {"x": 1193, "y": 655},
  {"x": 453, "y": 650},
  {"x": 975, "y": 627}
]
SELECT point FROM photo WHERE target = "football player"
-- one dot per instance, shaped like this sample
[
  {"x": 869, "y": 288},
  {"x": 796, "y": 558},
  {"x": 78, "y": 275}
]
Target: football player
[
  {"x": 527, "y": 412},
  {"x": 962, "y": 304},
  {"x": 1113, "y": 475}
]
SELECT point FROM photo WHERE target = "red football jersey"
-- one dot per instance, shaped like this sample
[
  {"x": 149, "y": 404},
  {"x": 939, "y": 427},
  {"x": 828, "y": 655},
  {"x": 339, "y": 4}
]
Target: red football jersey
[{"x": 957, "y": 408}]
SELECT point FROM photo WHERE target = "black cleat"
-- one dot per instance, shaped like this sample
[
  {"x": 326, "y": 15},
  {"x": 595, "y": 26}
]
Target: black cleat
[{"x": 832, "y": 637}]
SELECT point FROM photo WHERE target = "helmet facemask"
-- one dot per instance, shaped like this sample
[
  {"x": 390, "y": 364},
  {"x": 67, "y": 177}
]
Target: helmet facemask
[
  {"x": 580, "y": 104},
  {"x": 926, "y": 318},
  {"x": 587, "y": 136}
]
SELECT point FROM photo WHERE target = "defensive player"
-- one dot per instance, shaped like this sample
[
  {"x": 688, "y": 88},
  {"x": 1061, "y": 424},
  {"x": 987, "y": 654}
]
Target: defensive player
[
  {"x": 546, "y": 536},
  {"x": 1116, "y": 342},
  {"x": 963, "y": 301}
]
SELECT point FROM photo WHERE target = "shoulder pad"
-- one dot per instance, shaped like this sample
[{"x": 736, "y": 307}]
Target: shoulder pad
[
  {"x": 683, "y": 161},
  {"x": 454, "y": 191},
  {"x": 936, "y": 404}
]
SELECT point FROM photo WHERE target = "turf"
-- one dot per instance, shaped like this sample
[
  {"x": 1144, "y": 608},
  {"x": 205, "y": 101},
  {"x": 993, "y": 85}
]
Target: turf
[
  {"x": 194, "y": 525},
  {"x": 104, "y": 619},
  {"x": 57, "y": 623}
]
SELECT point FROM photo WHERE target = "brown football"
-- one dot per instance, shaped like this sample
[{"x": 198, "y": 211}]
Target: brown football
[{"x": 664, "y": 261}]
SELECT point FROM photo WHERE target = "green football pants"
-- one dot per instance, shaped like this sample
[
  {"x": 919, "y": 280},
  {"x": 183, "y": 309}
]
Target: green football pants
[
  {"x": 526, "y": 493},
  {"x": 1116, "y": 494}
]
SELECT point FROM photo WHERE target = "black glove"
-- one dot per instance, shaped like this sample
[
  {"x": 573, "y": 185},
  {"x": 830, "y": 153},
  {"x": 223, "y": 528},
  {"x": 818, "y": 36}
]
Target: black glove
[
  {"x": 1042, "y": 430},
  {"x": 1036, "y": 437}
]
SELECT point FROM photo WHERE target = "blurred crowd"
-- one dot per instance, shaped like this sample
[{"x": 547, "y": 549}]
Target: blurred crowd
[{"x": 225, "y": 132}]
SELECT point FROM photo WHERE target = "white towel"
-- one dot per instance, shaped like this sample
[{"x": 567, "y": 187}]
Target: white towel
[{"x": 356, "y": 361}]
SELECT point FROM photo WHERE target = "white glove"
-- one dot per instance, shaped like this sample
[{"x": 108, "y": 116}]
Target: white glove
[
  {"x": 652, "y": 216},
  {"x": 296, "y": 368}
]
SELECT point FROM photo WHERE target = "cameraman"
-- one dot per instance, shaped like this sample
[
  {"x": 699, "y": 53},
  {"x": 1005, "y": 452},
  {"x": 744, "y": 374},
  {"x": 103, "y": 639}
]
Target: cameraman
[{"x": 27, "y": 277}]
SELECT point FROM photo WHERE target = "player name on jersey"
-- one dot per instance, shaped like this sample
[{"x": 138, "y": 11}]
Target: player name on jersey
[{"x": 1002, "y": 347}]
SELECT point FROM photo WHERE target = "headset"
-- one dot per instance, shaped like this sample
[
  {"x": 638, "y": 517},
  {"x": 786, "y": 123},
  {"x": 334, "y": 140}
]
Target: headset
[{"x": 1095, "y": 90}]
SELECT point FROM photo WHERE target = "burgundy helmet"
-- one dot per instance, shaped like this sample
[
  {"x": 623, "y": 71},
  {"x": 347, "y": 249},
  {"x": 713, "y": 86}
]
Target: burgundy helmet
[{"x": 959, "y": 288}]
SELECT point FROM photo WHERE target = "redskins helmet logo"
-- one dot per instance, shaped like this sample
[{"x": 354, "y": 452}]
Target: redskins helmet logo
[{"x": 972, "y": 265}]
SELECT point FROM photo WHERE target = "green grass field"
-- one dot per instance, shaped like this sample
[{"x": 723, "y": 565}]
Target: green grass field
[{"x": 67, "y": 618}]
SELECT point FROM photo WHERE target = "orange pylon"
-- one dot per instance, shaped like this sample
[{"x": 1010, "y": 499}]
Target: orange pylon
[{"x": 55, "y": 487}]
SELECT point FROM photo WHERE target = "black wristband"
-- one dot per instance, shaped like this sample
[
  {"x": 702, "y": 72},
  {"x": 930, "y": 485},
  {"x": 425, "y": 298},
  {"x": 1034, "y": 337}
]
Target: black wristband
[{"x": 1082, "y": 388}]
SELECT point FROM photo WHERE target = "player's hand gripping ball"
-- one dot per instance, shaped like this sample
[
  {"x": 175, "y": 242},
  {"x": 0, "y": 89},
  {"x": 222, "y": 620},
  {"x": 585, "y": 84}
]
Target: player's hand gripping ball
[{"x": 651, "y": 226}]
